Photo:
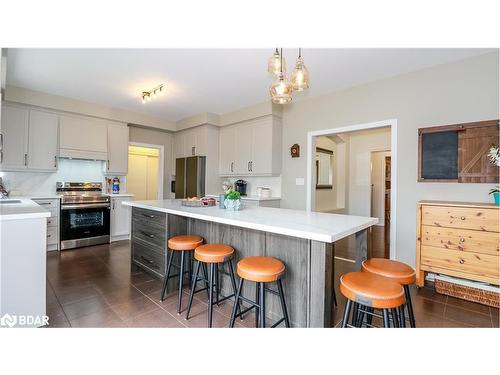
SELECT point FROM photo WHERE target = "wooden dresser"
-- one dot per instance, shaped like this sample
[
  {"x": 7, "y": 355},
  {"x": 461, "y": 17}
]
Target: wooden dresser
[{"x": 458, "y": 239}]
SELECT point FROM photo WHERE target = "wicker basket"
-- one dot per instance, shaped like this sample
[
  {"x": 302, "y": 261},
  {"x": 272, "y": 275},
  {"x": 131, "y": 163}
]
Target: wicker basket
[{"x": 469, "y": 293}]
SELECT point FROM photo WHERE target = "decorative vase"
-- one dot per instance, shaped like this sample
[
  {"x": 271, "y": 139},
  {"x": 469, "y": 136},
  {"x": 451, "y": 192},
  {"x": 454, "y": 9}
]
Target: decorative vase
[
  {"x": 232, "y": 204},
  {"x": 496, "y": 196}
]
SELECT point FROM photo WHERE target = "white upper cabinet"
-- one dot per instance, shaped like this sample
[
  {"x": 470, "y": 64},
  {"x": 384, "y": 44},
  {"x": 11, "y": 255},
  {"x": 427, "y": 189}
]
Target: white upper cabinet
[
  {"x": 118, "y": 137},
  {"x": 251, "y": 148},
  {"x": 14, "y": 154},
  {"x": 42, "y": 140},
  {"x": 193, "y": 142},
  {"x": 227, "y": 150},
  {"x": 83, "y": 137}
]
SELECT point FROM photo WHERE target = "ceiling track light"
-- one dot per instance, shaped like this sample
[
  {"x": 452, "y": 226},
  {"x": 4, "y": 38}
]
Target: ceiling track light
[{"x": 147, "y": 96}]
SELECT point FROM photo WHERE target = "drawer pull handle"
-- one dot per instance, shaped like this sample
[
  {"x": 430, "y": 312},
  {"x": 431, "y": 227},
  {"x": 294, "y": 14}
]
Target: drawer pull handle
[
  {"x": 49, "y": 235},
  {"x": 462, "y": 239},
  {"x": 462, "y": 218},
  {"x": 148, "y": 235},
  {"x": 461, "y": 261},
  {"x": 146, "y": 259},
  {"x": 149, "y": 216}
]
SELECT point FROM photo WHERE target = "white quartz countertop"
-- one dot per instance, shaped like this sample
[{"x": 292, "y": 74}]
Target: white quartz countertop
[
  {"x": 119, "y": 195},
  {"x": 316, "y": 226},
  {"x": 249, "y": 197},
  {"x": 26, "y": 209}
]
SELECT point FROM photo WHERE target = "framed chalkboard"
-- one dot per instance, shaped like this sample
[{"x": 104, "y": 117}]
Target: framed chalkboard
[{"x": 439, "y": 156}]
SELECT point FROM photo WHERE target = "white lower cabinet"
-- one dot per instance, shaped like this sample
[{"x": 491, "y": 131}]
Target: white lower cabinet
[
  {"x": 52, "y": 205},
  {"x": 120, "y": 219}
]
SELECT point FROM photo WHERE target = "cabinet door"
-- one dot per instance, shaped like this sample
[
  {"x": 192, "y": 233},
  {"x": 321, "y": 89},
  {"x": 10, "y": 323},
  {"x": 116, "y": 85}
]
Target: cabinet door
[
  {"x": 244, "y": 138},
  {"x": 43, "y": 140},
  {"x": 83, "y": 134},
  {"x": 15, "y": 137},
  {"x": 227, "y": 146},
  {"x": 191, "y": 143},
  {"x": 120, "y": 217},
  {"x": 118, "y": 136},
  {"x": 179, "y": 146},
  {"x": 262, "y": 148}
]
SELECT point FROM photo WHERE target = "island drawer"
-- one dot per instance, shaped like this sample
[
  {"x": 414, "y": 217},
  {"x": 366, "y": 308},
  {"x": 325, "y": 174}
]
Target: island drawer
[
  {"x": 149, "y": 233},
  {"x": 148, "y": 257},
  {"x": 51, "y": 235},
  {"x": 148, "y": 217},
  {"x": 477, "y": 218},
  {"x": 52, "y": 221}
]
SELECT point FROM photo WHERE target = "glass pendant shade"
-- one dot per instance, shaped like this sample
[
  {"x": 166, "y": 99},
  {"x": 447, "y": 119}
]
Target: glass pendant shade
[
  {"x": 274, "y": 64},
  {"x": 300, "y": 76},
  {"x": 281, "y": 90}
]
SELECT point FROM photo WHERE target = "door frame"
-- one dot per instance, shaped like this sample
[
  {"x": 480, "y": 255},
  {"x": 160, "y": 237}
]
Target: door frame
[
  {"x": 377, "y": 149},
  {"x": 160, "y": 164},
  {"x": 390, "y": 123}
]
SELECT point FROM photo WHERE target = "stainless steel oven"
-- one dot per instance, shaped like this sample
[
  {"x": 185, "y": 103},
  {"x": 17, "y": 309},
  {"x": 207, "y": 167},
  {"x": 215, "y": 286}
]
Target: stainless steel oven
[{"x": 85, "y": 214}]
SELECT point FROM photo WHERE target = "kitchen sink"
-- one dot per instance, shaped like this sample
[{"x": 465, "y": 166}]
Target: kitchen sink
[{"x": 7, "y": 201}]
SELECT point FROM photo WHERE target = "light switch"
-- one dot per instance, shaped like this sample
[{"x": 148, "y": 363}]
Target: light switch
[{"x": 299, "y": 181}]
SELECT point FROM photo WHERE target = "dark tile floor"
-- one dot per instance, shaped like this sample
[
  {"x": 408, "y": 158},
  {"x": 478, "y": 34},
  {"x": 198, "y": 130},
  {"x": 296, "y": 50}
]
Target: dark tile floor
[{"x": 95, "y": 287}]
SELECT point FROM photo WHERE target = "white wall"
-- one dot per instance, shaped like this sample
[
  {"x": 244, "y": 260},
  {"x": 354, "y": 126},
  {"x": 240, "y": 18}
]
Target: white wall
[
  {"x": 378, "y": 182},
  {"x": 466, "y": 90},
  {"x": 70, "y": 170},
  {"x": 361, "y": 145}
]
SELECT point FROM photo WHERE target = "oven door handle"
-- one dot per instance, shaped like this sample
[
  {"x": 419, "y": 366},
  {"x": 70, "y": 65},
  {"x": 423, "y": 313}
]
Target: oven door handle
[{"x": 82, "y": 206}]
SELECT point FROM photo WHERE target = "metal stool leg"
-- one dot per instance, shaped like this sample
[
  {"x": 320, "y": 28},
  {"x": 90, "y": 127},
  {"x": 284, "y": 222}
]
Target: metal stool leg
[
  {"x": 395, "y": 317},
  {"x": 233, "y": 283},
  {"x": 167, "y": 275},
  {"x": 193, "y": 288},
  {"x": 335, "y": 298},
  {"x": 237, "y": 298},
  {"x": 217, "y": 284},
  {"x": 369, "y": 317},
  {"x": 181, "y": 281},
  {"x": 211, "y": 275},
  {"x": 283, "y": 303},
  {"x": 402, "y": 319},
  {"x": 257, "y": 309},
  {"x": 355, "y": 315},
  {"x": 262, "y": 302},
  {"x": 347, "y": 310},
  {"x": 205, "y": 275},
  {"x": 409, "y": 306},
  {"x": 385, "y": 313}
]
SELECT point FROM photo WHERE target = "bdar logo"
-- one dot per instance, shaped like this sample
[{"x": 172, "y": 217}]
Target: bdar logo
[{"x": 8, "y": 320}]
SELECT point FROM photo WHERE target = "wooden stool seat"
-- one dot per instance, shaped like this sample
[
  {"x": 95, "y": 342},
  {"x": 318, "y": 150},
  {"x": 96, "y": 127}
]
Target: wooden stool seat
[
  {"x": 260, "y": 269},
  {"x": 371, "y": 290},
  {"x": 213, "y": 253},
  {"x": 392, "y": 269},
  {"x": 184, "y": 242}
]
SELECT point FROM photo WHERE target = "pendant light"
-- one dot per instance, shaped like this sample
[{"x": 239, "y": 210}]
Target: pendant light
[
  {"x": 276, "y": 64},
  {"x": 300, "y": 74},
  {"x": 281, "y": 89}
]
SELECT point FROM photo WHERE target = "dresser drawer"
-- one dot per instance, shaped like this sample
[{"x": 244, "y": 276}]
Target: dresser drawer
[
  {"x": 149, "y": 217},
  {"x": 51, "y": 235},
  {"x": 476, "y": 218},
  {"x": 152, "y": 234},
  {"x": 461, "y": 239},
  {"x": 148, "y": 257},
  {"x": 469, "y": 263}
]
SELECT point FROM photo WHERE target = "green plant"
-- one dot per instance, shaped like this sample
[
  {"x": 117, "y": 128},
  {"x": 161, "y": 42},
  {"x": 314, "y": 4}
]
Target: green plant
[
  {"x": 232, "y": 194},
  {"x": 495, "y": 190}
]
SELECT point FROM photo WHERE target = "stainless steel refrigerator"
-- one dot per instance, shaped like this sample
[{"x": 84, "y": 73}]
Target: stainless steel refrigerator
[{"x": 190, "y": 177}]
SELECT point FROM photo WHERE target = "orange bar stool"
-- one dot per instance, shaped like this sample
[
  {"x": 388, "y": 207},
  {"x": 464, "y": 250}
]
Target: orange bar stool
[
  {"x": 261, "y": 270},
  {"x": 179, "y": 244},
  {"x": 365, "y": 290},
  {"x": 213, "y": 255},
  {"x": 399, "y": 272}
]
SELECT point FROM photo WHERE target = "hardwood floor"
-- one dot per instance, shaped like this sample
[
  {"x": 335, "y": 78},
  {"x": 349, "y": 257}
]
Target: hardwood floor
[{"x": 95, "y": 287}]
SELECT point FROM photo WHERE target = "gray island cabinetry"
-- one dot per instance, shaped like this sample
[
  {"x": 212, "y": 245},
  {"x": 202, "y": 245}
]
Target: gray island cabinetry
[{"x": 304, "y": 241}]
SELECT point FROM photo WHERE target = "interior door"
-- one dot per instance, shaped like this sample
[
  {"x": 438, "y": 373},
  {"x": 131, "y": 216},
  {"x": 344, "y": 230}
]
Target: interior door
[
  {"x": 152, "y": 179},
  {"x": 137, "y": 176}
]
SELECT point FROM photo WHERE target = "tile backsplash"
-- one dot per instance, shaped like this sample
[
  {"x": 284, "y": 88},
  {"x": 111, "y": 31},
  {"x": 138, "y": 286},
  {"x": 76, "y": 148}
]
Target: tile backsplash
[
  {"x": 274, "y": 183},
  {"x": 32, "y": 183}
]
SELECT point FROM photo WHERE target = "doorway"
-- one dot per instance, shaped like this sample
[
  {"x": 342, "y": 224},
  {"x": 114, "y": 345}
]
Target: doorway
[
  {"x": 145, "y": 171},
  {"x": 380, "y": 198},
  {"x": 356, "y": 177}
]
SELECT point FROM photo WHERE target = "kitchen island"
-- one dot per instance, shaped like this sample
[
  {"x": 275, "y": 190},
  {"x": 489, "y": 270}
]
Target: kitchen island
[{"x": 304, "y": 241}]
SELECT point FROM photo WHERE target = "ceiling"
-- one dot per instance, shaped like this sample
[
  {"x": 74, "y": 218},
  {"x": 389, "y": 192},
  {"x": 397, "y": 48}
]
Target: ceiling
[{"x": 204, "y": 80}]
